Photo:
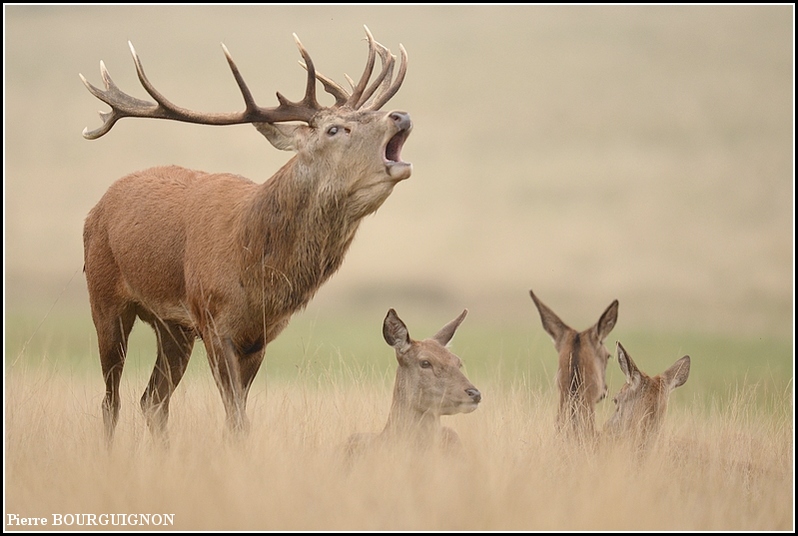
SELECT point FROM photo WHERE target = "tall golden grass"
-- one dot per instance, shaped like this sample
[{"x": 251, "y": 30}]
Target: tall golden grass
[{"x": 731, "y": 469}]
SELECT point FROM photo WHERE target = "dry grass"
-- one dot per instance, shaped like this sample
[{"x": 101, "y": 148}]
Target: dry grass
[{"x": 288, "y": 475}]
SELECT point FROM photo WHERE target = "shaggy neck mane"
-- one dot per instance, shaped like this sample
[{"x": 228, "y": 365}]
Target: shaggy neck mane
[{"x": 294, "y": 236}]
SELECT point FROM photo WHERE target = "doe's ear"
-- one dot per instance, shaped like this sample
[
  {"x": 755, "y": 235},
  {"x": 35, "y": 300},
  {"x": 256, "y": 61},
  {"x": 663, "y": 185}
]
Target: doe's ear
[
  {"x": 607, "y": 321},
  {"x": 284, "y": 136},
  {"x": 677, "y": 374},
  {"x": 628, "y": 366},
  {"x": 447, "y": 332},
  {"x": 556, "y": 328},
  {"x": 395, "y": 332}
]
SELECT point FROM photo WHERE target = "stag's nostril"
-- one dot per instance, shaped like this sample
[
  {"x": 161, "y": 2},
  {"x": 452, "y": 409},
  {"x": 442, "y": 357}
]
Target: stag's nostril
[
  {"x": 402, "y": 120},
  {"x": 475, "y": 395}
]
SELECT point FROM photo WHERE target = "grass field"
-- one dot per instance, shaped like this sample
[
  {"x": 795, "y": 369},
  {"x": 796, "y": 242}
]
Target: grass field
[
  {"x": 639, "y": 153},
  {"x": 736, "y": 472}
]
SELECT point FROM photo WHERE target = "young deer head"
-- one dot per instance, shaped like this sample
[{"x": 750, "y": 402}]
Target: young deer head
[
  {"x": 429, "y": 383},
  {"x": 641, "y": 403},
  {"x": 222, "y": 258},
  {"x": 582, "y": 369}
]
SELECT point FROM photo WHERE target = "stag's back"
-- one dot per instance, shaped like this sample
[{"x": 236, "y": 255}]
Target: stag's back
[{"x": 144, "y": 232}]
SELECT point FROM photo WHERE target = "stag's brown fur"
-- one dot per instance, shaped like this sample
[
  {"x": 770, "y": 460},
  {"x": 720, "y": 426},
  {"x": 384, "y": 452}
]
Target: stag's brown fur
[
  {"x": 642, "y": 402},
  {"x": 582, "y": 368},
  {"x": 222, "y": 258},
  {"x": 429, "y": 383}
]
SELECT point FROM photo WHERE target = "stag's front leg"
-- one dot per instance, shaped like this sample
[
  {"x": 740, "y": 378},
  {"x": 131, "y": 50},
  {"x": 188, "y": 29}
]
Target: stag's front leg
[
  {"x": 174, "y": 351},
  {"x": 250, "y": 364},
  {"x": 226, "y": 367}
]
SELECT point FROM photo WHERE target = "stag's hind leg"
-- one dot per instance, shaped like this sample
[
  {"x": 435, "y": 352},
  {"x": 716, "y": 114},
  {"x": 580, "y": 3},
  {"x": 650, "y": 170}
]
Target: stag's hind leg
[
  {"x": 112, "y": 336},
  {"x": 175, "y": 343}
]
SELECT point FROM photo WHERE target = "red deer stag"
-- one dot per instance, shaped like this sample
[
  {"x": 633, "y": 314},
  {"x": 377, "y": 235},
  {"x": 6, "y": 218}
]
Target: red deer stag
[
  {"x": 219, "y": 257},
  {"x": 429, "y": 383},
  {"x": 582, "y": 369},
  {"x": 641, "y": 403}
]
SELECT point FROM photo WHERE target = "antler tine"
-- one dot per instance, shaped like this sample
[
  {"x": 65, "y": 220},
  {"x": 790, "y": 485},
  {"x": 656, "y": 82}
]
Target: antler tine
[
  {"x": 124, "y": 105},
  {"x": 167, "y": 110},
  {"x": 287, "y": 110},
  {"x": 386, "y": 73},
  {"x": 388, "y": 93},
  {"x": 309, "y": 100},
  {"x": 342, "y": 97},
  {"x": 249, "y": 101},
  {"x": 357, "y": 90},
  {"x": 331, "y": 87},
  {"x": 382, "y": 86}
]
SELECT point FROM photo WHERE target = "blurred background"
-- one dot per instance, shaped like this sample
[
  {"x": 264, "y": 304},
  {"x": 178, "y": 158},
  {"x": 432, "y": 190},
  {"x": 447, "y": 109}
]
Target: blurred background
[{"x": 590, "y": 153}]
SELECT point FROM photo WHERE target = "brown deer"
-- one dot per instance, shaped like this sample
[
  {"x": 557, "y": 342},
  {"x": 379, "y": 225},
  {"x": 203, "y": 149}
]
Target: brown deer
[
  {"x": 641, "y": 403},
  {"x": 640, "y": 408},
  {"x": 219, "y": 257},
  {"x": 582, "y": 369},
  {"x": 429, "y": 383}
]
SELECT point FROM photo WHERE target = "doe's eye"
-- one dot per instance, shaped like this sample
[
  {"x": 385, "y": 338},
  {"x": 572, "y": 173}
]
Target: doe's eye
[{"x": 426, "y": 364}]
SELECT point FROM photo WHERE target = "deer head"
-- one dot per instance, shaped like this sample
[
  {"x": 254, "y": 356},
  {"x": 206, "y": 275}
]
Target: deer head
[
  {"x": 641, "y": 403},
  {"x": 429, "y": 383},
  {"x": 429, "y": 380},
  {"x": 353, "y": 125},
  {"x": 582, "y": 368}
]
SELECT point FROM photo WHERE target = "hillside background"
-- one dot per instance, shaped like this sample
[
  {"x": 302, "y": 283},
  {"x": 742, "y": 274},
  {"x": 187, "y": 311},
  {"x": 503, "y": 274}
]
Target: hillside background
[{"x": 589, "y": 153}]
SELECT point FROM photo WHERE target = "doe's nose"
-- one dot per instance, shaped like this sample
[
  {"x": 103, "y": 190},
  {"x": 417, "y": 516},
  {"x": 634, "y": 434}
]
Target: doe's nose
[{"x": 475, "y": 395}]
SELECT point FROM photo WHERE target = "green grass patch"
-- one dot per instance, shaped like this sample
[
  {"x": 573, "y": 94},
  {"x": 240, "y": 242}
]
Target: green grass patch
[{"x": 351, "y": 350}]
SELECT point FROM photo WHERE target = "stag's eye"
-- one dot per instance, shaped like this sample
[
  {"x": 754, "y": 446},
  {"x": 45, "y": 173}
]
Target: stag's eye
[
  {"x": 332, "y": 131},
  {"x": 426, "y": 364}
]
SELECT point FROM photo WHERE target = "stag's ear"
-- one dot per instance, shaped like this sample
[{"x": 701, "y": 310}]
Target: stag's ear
[
  {"x": 678, "y": 373},
  {"x": 283, "y": 136},
  {"x": 628, "y": 366},
  {"x": 556, "y": 328},
  {"x": 395, "y": 332},
  {"x": 447, "y": 332}
]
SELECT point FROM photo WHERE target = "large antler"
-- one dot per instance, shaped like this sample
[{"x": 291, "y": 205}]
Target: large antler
[
  {"x": 124, "y": 105},
  {"x": 361, "y": 97}
]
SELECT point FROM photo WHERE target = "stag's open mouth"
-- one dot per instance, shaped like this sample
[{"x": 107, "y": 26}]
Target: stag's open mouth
[
  {"x": 394, "y": 148},
  {"x": 396, "y": 168}
]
